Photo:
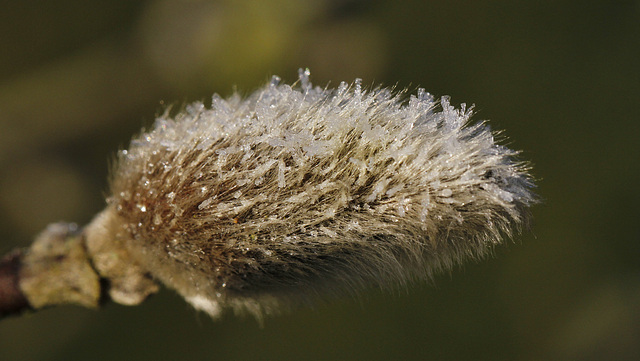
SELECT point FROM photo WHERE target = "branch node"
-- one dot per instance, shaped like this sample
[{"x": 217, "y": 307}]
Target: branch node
[{"x": 56, "y": 270}]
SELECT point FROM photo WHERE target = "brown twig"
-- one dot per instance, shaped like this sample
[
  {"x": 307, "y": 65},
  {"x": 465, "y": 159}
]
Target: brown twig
[{"x": 12, "y": 300}]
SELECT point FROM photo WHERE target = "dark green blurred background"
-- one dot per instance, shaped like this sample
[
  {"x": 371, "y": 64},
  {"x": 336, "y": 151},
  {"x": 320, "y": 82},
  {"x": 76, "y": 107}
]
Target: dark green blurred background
[{"x": 79, "y": 78}]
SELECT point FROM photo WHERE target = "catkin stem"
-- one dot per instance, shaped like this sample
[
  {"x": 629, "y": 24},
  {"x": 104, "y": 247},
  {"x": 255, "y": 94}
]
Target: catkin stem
[{"x": 58, "y": 269}]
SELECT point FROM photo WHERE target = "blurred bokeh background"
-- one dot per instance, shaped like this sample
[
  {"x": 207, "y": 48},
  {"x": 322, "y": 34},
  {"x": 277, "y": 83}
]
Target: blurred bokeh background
[{"x": 79, "y": 78}]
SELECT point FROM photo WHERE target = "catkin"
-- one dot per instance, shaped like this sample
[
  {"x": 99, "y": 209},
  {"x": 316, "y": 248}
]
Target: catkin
[{"x": 297, "y": 192}]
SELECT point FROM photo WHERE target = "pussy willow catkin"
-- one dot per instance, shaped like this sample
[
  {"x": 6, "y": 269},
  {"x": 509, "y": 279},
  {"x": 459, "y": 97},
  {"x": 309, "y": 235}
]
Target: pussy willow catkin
[{"x": 298, "y": 191}]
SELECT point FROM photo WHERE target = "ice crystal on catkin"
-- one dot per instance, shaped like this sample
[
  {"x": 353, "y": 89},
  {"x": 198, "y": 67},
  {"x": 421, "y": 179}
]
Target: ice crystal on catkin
[{"x": 299, "y": 191}]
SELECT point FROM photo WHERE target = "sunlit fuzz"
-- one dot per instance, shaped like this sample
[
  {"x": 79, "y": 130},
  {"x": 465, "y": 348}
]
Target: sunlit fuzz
[{"x": 296, "y": 192}]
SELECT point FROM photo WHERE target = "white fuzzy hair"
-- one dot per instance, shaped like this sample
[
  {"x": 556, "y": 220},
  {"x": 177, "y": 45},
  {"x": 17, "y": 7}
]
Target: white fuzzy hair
[{"x": 301, "y": 191}]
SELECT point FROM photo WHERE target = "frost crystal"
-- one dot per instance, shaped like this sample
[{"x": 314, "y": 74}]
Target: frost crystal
[{"x": 298, "y": 190}]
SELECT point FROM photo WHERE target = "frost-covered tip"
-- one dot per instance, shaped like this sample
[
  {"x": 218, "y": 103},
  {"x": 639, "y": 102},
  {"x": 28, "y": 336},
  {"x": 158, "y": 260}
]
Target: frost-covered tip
[{"x": 298, "y": 191}]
